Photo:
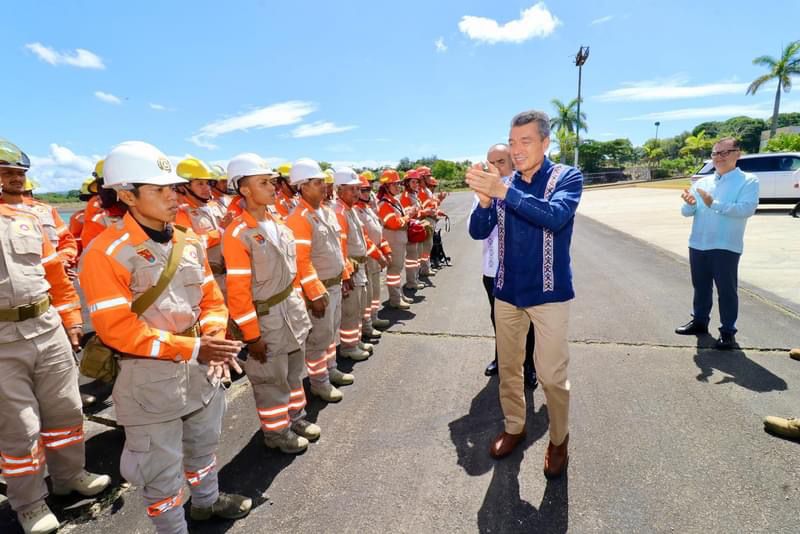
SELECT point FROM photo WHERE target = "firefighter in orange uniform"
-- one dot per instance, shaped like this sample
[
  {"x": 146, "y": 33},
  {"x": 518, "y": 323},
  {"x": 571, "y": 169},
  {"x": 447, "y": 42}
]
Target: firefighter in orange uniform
[
  {"x": 395, "y": 231},
  {"x": 202, "y": 213},
  {"x": 376, "y": 261},
  {"x": 286, "y": 196},
  {"x": 413, "y": 209},
  {"x": 260, "y": 254},
  {"x": 358, "y": 248},
  {"x": 321, "y": 269},
  {"x": 431, "y": 212},
  {"x": 40, "y": 408},
  {"x": 173, "y": 352}
]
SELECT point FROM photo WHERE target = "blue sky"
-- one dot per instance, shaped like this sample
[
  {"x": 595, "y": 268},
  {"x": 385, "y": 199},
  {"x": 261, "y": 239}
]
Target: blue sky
[{"x": 368, "y": 82}]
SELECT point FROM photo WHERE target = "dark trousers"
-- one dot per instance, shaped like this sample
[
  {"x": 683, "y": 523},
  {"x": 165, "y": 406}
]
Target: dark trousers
[
  {"x": 715, "y": 268},
  {"x": 488, "y": 285}
]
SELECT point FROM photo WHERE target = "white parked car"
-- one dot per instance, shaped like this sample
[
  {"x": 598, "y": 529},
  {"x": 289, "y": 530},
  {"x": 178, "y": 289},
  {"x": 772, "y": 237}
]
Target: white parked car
[{"x": 777, "y": 175}]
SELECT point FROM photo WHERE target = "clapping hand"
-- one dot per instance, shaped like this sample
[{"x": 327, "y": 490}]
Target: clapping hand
[
  {"x": 688, "y": 197},
  {"x": 487, "y": 184},
  {"x": 707, "y": 198}
]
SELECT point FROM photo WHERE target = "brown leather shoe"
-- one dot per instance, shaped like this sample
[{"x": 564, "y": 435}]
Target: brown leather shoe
[
  {"x": 556, "y": 459},
  {"x": 504, "y": 444}
]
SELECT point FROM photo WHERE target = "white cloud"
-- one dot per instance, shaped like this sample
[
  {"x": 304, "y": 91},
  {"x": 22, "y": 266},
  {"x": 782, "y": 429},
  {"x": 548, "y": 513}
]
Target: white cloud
[
  {"x": 365, "y": 163},
  {"x": 319, "y": 128},
  {"x": 107, "y": 97},
  {"x": 61, "y": 169},
  {"x": 281, "y": 114},
  {"x": 159, "y": 107},
  {"x": 536, "y": 21},
  {"x": 602, "y": 20},
  {"x": 753, "y": 110},
  {"x": 440, "y": 46},
  {"x": 81, "y": 58},
  {"x": 674, "y": 88}
]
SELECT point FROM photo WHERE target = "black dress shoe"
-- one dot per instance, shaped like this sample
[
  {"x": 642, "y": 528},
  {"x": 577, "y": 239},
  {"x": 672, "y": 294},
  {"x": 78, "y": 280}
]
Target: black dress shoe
[
  {"x": 726, "y": 342},
  {"x": 692, "y": 328},
  {"x": 491, "y": 369},
  {"x": 531, "y": 382}
]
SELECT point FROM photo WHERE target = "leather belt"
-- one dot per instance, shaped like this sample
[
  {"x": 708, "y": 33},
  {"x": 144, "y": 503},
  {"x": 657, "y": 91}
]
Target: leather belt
[
  {"x": 192, "y": 331},
  {"x": 263, "y": 306},
  {"x": 330, "y": 282},
  {"x": 26, "y": 311}
]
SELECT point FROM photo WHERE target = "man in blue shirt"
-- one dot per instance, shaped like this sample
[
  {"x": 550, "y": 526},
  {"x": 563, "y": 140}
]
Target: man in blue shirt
[
  {"x": 534, "y": 214},
  {"x": 720, "y": 205}
]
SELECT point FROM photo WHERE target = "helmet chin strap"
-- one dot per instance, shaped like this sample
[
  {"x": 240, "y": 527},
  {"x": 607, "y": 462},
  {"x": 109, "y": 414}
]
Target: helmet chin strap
[{"x": 199, "y": 198}]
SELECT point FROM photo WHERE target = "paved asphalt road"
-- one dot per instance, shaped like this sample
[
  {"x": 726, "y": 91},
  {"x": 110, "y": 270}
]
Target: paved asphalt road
[{"x": 666, "y": 434}]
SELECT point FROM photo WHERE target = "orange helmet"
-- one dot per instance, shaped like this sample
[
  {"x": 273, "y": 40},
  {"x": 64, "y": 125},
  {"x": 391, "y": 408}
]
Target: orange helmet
[
  {"x": 433, "y": 181},
  {"x": 424, "y": 171},
  {"x": 412, "y": 174},
  {"x": 364, "y": 182},
  {"x": 390, "y": 176}
]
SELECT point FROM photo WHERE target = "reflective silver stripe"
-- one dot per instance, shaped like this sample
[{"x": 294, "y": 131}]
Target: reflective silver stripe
[
  {"x": 208, "y": 279},
  {"x": 115, "y": 244},
  {"x": 239, "y": 272},
  {"x": 110, "y": 303},
  {"x": 238, "y": 229},
  {"x": 302, "y": 242},
  {"x": 156, "y": 347},
  {"x": 245, "y": 318},
  {"x": 50, "y": 258},
  {"x": 212, "y": 319},
  {"x": 309, "y": 278},
  {"x": 68, "y": 306}
]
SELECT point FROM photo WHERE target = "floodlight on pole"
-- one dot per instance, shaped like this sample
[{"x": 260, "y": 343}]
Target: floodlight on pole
[
  {"x": 580, "y": 60},
  {"x": 657, "y": 123}
]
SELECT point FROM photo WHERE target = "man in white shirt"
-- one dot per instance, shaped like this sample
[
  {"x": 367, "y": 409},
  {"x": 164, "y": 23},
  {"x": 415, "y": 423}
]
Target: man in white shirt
[{"x": 500, "y": 157}]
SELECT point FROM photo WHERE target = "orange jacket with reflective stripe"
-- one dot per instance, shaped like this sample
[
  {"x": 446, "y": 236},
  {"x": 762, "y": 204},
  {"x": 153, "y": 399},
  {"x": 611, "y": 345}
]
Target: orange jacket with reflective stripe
[
  {"x": 258, "y": 269},
  {"x": 391, "y": 213},
  {"x": 206, "y": 221},
  {"x": 76, "y": 228},
  {"x": 373, "y": 227},
  {"x": 319, "y": 248},
  {"x": 55, "y": 229},
  {"x": 121, "y": 264},
  {"x": 346, "y": 215},
  {"x": 38, "y": 270}
]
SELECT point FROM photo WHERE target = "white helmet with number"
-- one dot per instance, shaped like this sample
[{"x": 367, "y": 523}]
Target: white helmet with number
[
  {"x": 247, "y": 164},
  {"x": 345, "y": 176},
  {"x": 303, "y": 170},
  {"x": 136, "y": 162}
]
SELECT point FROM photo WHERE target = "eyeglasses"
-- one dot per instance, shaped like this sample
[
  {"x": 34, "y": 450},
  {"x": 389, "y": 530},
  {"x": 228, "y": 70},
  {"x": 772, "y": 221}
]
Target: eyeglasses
[{"x": 723, "y": 153}]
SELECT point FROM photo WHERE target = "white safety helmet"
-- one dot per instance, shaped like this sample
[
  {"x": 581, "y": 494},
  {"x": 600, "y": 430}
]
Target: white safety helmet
[
  {"x": 345, "y": 176},
  {"x": 304, "y": 170},
  {"x": 247, "y": 164},
  {"x": 137, "y": 162}
]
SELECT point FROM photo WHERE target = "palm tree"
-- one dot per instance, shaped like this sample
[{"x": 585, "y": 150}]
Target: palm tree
[
  {"x": 566, "y": 117},
  {"x": 779, "y": 69},
  {"x": 697, "y": 145}
]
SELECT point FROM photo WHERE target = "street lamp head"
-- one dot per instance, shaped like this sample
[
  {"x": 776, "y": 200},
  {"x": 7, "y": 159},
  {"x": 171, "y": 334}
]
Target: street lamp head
[
  {"x": 657, "y": 124},
  {"x": 581, "y": 56}
]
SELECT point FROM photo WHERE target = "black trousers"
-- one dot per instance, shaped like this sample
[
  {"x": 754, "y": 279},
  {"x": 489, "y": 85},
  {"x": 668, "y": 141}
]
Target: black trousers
[
  {"x": 715, "y": 268},
  {"x": 530, "y": 341}
]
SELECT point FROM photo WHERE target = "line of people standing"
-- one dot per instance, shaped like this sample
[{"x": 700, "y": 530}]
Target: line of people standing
[{"x": 181, "y": 282}]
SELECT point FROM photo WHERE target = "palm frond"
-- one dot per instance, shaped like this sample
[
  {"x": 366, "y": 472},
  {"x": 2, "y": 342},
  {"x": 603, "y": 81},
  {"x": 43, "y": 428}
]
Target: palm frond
[{"x": 757, "y": 83}]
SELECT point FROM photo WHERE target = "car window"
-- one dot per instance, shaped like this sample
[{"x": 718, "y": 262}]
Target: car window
[
  {"x": 765, "y": 164},
  {"x": 707, "y": 168}
]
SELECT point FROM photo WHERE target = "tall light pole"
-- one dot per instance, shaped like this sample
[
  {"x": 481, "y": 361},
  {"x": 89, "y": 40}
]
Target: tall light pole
[
  {"x": 580, "y": 59},
  {"x": 657, "y": 125}
]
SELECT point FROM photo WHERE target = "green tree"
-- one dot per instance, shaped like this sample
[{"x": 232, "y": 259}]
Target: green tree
[
  {"x": 788, "y": 119},
  {"x": 404, "y": 165},
  {"x": 746, "y": 129},
  {"x": 712, "y": 129},
  {"x": 698, "y": 145},
  {"x": 782, "y": 70},
  {"x": 566, "y": 117},
  {"x": 785, "y": 142}
]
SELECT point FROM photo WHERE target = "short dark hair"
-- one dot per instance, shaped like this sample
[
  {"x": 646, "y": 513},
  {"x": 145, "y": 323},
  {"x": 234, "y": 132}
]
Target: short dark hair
[
  {"x": 733, "y": 141},
  {"x": 539, "y": 117}
]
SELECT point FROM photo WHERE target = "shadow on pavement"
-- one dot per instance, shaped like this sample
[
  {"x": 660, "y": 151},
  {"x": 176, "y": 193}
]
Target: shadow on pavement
[
  {"x": 503, "y": 509},
  {"x": 395, "y": 316},
  {"x": 739, "y": 369},
  {"x": 250, "y": 473},
  {"x": 102, "y": 456}
]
